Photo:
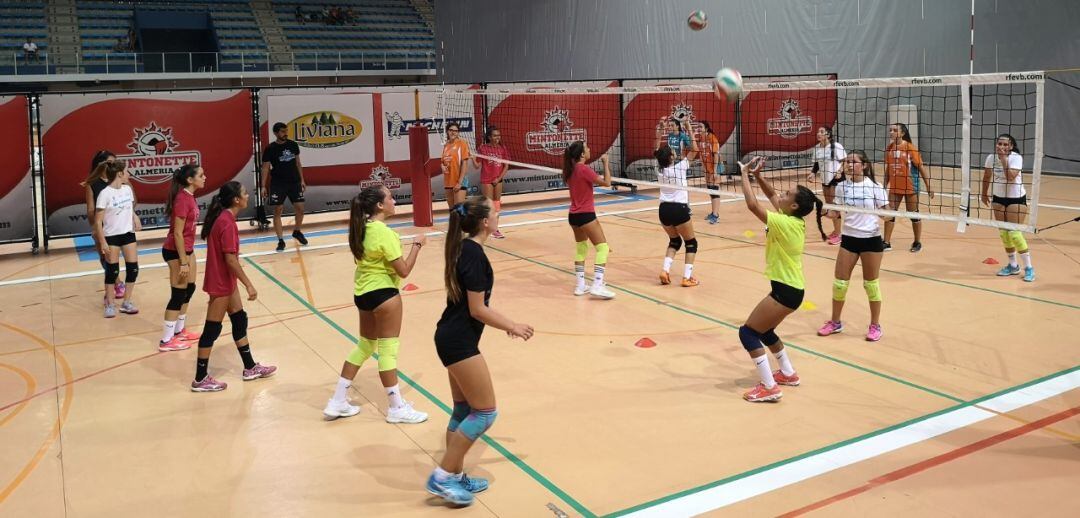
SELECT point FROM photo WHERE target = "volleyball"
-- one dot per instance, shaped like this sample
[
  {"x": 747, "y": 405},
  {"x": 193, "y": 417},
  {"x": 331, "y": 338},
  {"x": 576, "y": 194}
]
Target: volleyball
[
  {"x": 728, "y": 84},
  {"x": 697, "y": 20}
]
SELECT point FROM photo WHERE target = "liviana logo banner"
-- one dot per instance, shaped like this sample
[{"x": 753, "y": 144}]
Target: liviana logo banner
[
  {"x": 156, "y": 155},
  {"x": 557, "y": 134},
  {"x": 324, "y": 129},
  {"x": 790, "y": 123}
]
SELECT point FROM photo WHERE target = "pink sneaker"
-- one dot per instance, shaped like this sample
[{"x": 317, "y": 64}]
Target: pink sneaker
[
  {"x": 874, "y": 333},
  {"x": 208, "y": 384},
  {"x": 120, "y": 289},
  {"x": 830, "y": 328},
  {"x": 498, "y": 235},
  {"x": 782, "y": 379},
  {"x": 174, "y": 344},
  {"x": 259, "y": 371},
  {"x": 187, "y": 336},
  {"x": 834, "y": 239},
  {"x": 761, "y": 394}
]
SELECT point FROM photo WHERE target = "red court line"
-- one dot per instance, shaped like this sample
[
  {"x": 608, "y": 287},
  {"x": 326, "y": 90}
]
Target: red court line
[
  {"x": 80, "y": 378},
  {"x": 936, "y": 461}
]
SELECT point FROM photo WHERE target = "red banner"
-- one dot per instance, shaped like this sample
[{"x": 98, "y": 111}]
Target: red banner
[
  {"x": 785, "y": 120},
  {"x": 16, "y": 209},
  {"x": 644, "y": 113}
]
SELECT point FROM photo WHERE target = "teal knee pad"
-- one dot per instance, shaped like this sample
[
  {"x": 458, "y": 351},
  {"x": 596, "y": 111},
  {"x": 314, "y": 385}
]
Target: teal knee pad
[
  {"x": 580, "y": 249},
  {"x": 461, "y": 411},
  {"x": 477, "y": 422}
]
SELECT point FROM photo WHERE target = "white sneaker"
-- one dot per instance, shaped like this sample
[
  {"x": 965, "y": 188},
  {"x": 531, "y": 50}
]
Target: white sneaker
[
  {"x": 405, "y": 414},
  {"x": 602, "y": 292},
  {"x": 336, "y": 409},
  {"x": 580, "y": 290}
]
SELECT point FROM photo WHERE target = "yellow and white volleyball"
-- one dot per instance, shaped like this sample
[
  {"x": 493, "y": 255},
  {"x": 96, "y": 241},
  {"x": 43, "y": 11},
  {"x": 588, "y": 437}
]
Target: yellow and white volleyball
[
  {"x": 697, "y": 20},
  {"x": 728, "y": 84}
]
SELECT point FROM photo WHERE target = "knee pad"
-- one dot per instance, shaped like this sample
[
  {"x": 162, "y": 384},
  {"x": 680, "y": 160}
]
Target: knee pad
[
  {"x": 189, "y": 292},
  {"x": 461, "y": 411},
  {"x": 601, "y": 253},
  {"x": 713, "y": 188},
  {"x": 497, "y": 205},
  {"x": 477, "y": 422},
  {"x": 873, "y": 290},
  {"x": 1018, "y": 240},
  {"x": 674, "y": 243},
  {"x": 239, "y": 325},
  {"x": 890, "y": 219},
  {"x": 210, "y": 333},
  {"x": 751, "y": 340},
  {"x": 915, "y": 220},
  {"x": 1006, "y": 239},
  {"x": 132, "y": 272},
  {"x": 112, "y": 271},
  {"x": 769, "y": 337},
  {"x": 388, "y": 351},
  {"x": 839, "y": 289},
  {"x": 691, "y": 246},
  {"x": 580, "y": 249},
  {"x": 177, "y": 297},
  {"x": 365, "y": 347}
]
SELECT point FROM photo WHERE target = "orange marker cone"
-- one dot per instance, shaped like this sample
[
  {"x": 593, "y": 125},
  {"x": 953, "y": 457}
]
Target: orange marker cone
[
  {"x": 645, "y": 343},
  {"x": 410, "y": 287},
  {"x": 990, "y": 260}
]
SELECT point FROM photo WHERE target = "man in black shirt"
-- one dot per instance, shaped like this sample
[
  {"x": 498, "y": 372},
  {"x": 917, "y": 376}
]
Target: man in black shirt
[{"x": 283, "y": 177}]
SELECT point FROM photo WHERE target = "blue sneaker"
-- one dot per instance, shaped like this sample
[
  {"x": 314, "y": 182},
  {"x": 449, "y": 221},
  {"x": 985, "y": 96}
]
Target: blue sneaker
[
  {"x": 1009, "y": 270},
  {"x": 713, "y": 219},
  {"x": 1029, "y": 274},
  {"x": 452, "y": 490},
  {"x": 474, "y": 485}
]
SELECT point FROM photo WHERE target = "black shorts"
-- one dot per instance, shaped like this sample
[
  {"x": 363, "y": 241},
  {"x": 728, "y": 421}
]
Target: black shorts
[
  {"x": 451, "y": 351},
  {"x": 172, "y": 255},
  {"x": 280, "y": 190},
  {"x": 1022, "y": 200},
  {"x": 674, "y": 214},
  {"x": 581, "y": 219},
  {"x": 120, "y": 240},
  {"x": 858, "y": 245},
  {"x": 373, "y": 299},
  {"x": 787, "y": 296}
]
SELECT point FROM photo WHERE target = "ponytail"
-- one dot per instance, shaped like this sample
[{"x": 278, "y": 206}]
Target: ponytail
[
  {"x": 571, "y": 156},
  {"x": 808, "y": 201},
  {"x": 224, "y": 199},
  {"x": 362, "y": 208},
  {"x": 100, "y": 157},
  {"x": 179, "y": 181},
  {"x": 465, "y": 219}
]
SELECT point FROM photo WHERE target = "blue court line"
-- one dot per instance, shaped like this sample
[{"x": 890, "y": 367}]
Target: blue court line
[{"x": 84, "y": 245}]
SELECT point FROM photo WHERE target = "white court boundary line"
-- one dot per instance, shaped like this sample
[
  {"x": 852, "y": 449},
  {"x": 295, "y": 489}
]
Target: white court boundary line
[{"x": 782, "y": 476}]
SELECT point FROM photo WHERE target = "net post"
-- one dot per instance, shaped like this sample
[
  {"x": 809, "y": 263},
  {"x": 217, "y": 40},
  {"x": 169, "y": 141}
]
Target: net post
[
  {"x": 419, "y": 179},
  {"x": 1036, "y": 167},
  {"x": 965, "y": 155}
]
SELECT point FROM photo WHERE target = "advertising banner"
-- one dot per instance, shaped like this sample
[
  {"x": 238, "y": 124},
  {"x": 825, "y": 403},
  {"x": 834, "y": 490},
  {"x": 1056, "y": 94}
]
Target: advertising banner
[{"x": 16, "y": 205}]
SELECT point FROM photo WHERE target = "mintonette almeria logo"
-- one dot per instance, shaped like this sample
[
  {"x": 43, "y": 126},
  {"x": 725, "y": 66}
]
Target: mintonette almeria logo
[
  {"x": 156, "y": 155},
  {"x": 790, "y": 124},
  {"x": 380, "y": 175},
  {"x": 557, "y": 134}
]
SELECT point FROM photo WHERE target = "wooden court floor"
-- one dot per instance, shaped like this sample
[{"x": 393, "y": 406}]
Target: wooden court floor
[{"x": 968, "y": 405}]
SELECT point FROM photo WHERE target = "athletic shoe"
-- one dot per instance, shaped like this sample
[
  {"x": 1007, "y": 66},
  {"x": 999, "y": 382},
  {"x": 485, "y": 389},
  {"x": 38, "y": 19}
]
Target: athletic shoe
[
  {"x": 601, "y": 292},
  {"x": 874, "y": 333},
  {"x": 580, "y": 290},
  {"x": 665, "y": 278},
  {"x": 405, "y": 414},
  {"x": 280, "y": 245},
  {"x": 498, "y": 235},
  {"x": 336, "y": 409},
  {"x": 110, "y": 311},
  {"x": 783, "y": 379},
  {"x": 299, "y": 236},
  {"x": 834, "y": 239},
  {"x": 187, "y": 336},
  {"x": 689, "y": 282},
  {"x": 830, "y": 328},
  {"x": 1029, "y": 274},
  {"x": 174, "y": 344},
  {"x": 208, "y": 384},
  {"x": 120, "y": 289},
  {"x": 761, "y": 394},
  {"x": 888, "y": 246},
  {"x": 259, "y": 371},
  {"x": 128, "y": 308},
  {"x": 915, "y": 247},
  {"x": 713, "y": 219},
  {"x": 1009, "y": 269},
  {"x": 452, "y": 490},
  {"x": 474, "y": 485}
]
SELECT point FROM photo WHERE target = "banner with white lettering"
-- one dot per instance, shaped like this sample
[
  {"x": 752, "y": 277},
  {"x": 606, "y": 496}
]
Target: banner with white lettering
[{"x": 16, "y": 207}]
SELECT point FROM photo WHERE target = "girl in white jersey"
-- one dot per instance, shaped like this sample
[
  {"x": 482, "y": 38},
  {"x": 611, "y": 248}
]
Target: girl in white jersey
[
  {"x": 675, "y": 208},
  {"x": 828, "y": 155},
  {"x": 860, "y": 241},
  {"x": 1009, "y": 201}
]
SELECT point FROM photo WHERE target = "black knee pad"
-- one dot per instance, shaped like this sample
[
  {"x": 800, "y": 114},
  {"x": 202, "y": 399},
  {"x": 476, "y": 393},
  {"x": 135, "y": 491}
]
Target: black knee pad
[
  {"x": 751, "y": 340},
  {"x": 890, "y": 219},
  {"x": 132, "y": 272},
  {"x": 691, "y": 246},
  {"x": 112, "y": 272},
  {"x": 713, "y": 188},
  {"x": 915, "y": 220},
  {"x": 210, "y": 333},
  {"x": 189, "y": 292},
  {"x": 675, "y": 243},
  {"x": 769, "y": 337},
  {"x": 239, "y": 325},
  {"x": 176, "y": 299}
]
